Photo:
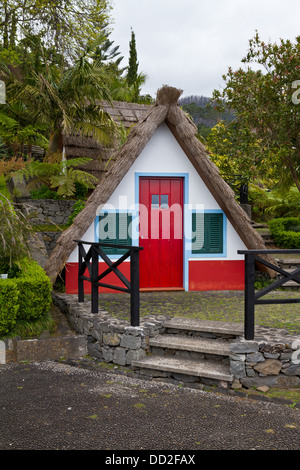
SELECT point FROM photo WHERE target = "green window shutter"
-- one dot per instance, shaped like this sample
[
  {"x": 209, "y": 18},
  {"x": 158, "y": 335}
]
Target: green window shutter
[
  {"x": 208, "y": 233},
  {"x": 114, "y": 229}
]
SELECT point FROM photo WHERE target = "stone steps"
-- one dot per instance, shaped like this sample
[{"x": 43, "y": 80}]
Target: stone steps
[
  {"x": 186, "y": 367},
  {"x": 191, "y": 350},
  {"x": 192, "y": 344}
]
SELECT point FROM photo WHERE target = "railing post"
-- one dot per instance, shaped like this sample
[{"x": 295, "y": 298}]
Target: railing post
[
  {"x": 249, "y": 295},
  {"x": 80, "y": 281},
  {"x": 94, "y": 282},
  {"x": 135, "y": 287}
]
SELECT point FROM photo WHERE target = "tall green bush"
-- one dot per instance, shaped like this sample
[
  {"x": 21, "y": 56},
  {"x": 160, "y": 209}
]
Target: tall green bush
[
  {"x": 34, "y": 291},
  {"x": 9, "y": 295},
  {"x": 285, "y": 233},
  {"x": 24, "y": 297}
]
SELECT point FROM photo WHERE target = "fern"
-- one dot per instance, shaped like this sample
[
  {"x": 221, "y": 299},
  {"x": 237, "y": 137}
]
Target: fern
[{"x": 60, "y": 176}]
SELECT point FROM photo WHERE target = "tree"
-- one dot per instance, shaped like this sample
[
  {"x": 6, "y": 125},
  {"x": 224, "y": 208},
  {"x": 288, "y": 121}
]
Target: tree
[
  {"x": 132, "y": 72},
  {"x": 66, "y": 25},
  {"x": 265, "y": 105},
  {"x": 65, "y": 101}
]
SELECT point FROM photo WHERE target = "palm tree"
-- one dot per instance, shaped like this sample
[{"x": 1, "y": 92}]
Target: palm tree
[{"x": 65, "y": 102}]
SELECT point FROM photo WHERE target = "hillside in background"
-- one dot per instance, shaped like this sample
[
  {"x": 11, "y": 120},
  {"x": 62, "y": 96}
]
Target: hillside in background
[{"x": 204, "y": 116}]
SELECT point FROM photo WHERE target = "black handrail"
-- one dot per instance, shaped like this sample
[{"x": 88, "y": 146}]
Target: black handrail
[
  {"x": 252, "y": 297},
  {"x": 89, "y": 260}
]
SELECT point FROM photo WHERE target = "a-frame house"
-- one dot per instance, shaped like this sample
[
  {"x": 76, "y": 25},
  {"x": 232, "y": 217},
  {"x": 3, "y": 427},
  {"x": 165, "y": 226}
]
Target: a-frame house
[{"x": 162, "y": 192}]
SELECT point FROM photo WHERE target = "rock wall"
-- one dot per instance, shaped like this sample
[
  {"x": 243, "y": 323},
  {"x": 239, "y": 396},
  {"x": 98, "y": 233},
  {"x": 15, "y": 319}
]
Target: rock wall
[
  {"x": 108, "y": 338},
  {"x": 45, "y": 211},
  {"x": 272, "y": 359}
]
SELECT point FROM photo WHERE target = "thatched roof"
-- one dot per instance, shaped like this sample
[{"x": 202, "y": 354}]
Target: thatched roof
[
  {"x": 166, "y": 110},
  {"x": 123, "y": 113}
]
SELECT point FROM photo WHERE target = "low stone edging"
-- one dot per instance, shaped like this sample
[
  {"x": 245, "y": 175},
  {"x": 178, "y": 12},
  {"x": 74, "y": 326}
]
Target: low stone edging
[
  {"x": 272, "y": 359},
  {"x": 108, "y": 338}
]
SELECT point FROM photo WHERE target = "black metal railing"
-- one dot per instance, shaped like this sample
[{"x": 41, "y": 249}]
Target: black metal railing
[
  {"x": 253, "y": 298},
  {"x": 90, "y": 261}
]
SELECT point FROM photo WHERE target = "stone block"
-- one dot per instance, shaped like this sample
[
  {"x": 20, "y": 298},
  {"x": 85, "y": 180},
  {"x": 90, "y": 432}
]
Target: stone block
[
  {"x": 237, "y": 369},
  {"x": 135, "y": 355},
  {"x": 108, "y": 354},
  {"x": 120, "y": 356},
  {"x": 254, "y": 358},
  {"x": 269, "y": 367},
  {"x": 111, "y": 339},
  {"x": 244, "y": 346},
  {"x": 131, "y": 342}
]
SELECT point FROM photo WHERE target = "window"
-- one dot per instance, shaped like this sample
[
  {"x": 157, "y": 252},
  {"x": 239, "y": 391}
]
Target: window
[
  {"x": 155, "y": 201},
  {"x": 207, "y": 232},
  {"x": 162, "y": 204},
  {"x": 115, "y": 228}
]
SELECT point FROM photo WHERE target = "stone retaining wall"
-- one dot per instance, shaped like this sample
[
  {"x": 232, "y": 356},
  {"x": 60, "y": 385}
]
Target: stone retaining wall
[
  {"x": 109, "y": 339},
  {"x": 56, "y": 211},
  {"x": 273, "y": 359}
]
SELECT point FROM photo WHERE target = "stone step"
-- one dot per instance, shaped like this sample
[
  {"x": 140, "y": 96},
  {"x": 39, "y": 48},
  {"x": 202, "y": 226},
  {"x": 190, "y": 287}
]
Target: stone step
[
  {"x": 188, "y": 367},
  {"x": 208, "y": 326},
  {"x": 191, "y": 344},
  {"x": 287, "y": 261}
]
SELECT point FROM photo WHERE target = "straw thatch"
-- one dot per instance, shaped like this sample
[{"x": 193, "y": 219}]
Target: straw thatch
[
  {"x": 166, "y": 110},
  {"x": 122, "y": 113}
]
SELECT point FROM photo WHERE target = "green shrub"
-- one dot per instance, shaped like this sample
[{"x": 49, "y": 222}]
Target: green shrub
[
  {"x": 44, "y": 193},
  {"x": 285, "y": 233},
  {"x": 9, "y": 306},
  {"x": 78, "y": 206},
  {"x": 35, "y": 291}
]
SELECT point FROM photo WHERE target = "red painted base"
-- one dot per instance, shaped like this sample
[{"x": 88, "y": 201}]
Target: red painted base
[
  {"x": 72, "y": 278},
  {"x": 216, "y": 275},
  {"x": 203, "y": 276}
]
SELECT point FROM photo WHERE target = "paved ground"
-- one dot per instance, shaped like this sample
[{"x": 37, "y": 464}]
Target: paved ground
[{"x": 47, "y": 406}]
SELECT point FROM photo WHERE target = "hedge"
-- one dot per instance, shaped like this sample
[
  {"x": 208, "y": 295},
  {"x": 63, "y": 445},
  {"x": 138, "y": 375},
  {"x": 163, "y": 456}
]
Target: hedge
[
  {"x": 285, "y": 232},
  {"x": 9, "y": 306},
  {"x": 31, "y": 295}
]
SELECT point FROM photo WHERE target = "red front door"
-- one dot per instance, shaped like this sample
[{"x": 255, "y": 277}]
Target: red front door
[{"x": 161, "y": 233}]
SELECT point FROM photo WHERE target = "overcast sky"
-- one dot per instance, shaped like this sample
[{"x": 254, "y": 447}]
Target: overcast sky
[{"x": 189, "y": 44}]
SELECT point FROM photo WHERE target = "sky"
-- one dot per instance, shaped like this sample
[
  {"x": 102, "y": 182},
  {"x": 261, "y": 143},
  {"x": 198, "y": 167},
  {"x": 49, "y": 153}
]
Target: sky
[{"x": 189, "y": 44}]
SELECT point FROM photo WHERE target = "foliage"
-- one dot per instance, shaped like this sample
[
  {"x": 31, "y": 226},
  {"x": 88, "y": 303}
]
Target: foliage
[
  {"x": 67, "y": 100},
  {"x": 133, "y": 64},
  {"x": 78, "y": 206},
  {"x": 274, "y": 203},
  {"x": 44, "y": 193},
  {"x": 26, "y": 296},
  {"x": 16, "y": 130},
  {"x": 64, "y": 27},
  {"x": 265, "y": 104},
  {"x": 15, "y": 230},
  {"x": 286, "y": 232},
  {"x": 61, "y": 176},
  {"x": 9, "y": 307},
  {"x": 34, "y": 291}
]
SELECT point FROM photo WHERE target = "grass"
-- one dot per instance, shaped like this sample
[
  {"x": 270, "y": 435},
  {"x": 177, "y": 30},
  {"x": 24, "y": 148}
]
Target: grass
[
  {"x": 209, "y": 305},
  {"x": 26, "y": 329}
]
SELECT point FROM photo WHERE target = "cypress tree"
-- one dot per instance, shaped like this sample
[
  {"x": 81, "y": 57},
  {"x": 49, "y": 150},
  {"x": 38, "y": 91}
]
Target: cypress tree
[{"x": 133, "y": 63}]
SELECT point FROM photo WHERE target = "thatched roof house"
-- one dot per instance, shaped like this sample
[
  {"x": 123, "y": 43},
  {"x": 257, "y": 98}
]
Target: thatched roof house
[
  {"x": 165, "y": 111},
  {"x": 122, "y": 113}
]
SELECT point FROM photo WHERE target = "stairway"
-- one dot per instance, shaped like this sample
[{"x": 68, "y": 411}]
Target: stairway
[
  {"x": 192, "y": 351},
  {"x": 289, "y": 265}
]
